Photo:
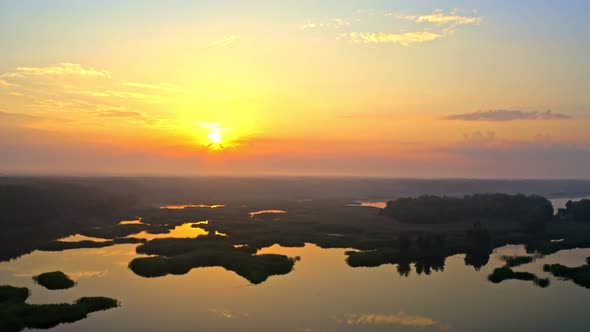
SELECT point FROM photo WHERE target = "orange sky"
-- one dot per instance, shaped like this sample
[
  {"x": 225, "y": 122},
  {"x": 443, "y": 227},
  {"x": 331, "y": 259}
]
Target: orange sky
[{"x": 357, "y": 88}]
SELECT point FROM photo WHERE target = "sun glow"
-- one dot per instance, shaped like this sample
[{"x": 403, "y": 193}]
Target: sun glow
[{"x": 215, "y": 137}]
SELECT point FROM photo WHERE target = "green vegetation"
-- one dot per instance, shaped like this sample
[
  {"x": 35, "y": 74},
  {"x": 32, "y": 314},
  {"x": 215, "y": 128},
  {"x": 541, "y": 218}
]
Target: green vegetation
[
  {"x": 501, "y": 207},
  {"x": 61, "y": 245},
  {"x": 36, "y": 211},
  {"x": 580, "y": 275},
  {"x": 514, "y": 261},
  {"x": 121, "y": 231},
  {"x": 54, "y": 280},
  {"x": 16, "y": 315},
  {"x": 505, "y": 273},
  {"x": 576, "y": 211},
  {"x": 429, "y": 229},
  {"x": 9, "y": 293},
  {"x": 179, "y": 256}
]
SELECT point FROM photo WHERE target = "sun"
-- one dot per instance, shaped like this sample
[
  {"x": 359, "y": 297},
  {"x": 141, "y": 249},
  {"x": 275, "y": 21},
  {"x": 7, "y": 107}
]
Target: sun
[{"x": 215, "y": 137}]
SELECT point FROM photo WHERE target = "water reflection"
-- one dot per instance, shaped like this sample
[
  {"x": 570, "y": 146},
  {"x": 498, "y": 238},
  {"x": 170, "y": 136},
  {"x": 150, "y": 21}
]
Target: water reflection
[
  {"x": 400, "y": 318},
  {"x": 79, "y": 237},
  {"x": 265, "y": 212},
  {"x": 186, "y": 230},
  {"x": 131, "y": 222},
  {"x": 378, "y": 205},
  {"x": 320, "y": 294},
  {"x": 559, "y": 203},
  {"x": 191, "y": 206}
]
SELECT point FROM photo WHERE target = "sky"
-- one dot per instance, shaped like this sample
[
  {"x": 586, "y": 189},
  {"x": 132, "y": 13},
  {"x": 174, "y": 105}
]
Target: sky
[{"x": 477, "y": 89}]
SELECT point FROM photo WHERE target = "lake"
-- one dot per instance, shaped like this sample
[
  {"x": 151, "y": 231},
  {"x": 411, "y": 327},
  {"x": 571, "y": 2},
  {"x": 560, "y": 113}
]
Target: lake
[{"x": 322, "y": 293}]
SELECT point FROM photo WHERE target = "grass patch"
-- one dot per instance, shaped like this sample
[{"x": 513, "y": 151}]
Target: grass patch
[
  {"x": 54, "y": 280},
  {"x": 17, "y": 315}
]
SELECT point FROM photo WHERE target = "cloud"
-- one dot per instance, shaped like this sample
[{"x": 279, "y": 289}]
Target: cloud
[
  {"x": 400, "y": 318},
  {"x": 4, "y": 114},
  {"x": 60, "y": 69},
  {"x": 5, "y": 83},
  {"x": 119, "y": 114},
  {"x": 479, "y": 139},
  {"x": 404, "y": 39},
  {"x": 228, "y": 40},
  {"x": 440, "y": 18},
  {"x": 507, "y": 115},
  {"x": 448, "y": 23},
  {"x": 18, "y": 119},
  {"x": 335, "y": 23}
]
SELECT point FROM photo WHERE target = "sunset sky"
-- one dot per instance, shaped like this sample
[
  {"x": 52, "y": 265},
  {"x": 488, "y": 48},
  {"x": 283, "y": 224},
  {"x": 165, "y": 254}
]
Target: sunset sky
[{"x": 491, "y": 89}]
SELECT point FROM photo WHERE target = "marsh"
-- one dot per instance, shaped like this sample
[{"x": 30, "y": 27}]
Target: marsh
[{"x": 218, "y": 269}]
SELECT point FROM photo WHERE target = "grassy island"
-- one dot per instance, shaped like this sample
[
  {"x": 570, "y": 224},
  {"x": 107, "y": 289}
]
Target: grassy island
[
  {"x": 179, "y": 256},
  {"x": 54, "y": 280},
  {"x": 17, "y": 315}
]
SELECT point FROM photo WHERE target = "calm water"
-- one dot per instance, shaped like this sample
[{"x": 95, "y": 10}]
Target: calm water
[{"x": 322, "y": 294}]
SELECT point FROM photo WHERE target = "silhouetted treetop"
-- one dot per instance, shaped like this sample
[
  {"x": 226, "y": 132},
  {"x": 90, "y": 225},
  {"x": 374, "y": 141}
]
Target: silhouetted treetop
[{"x": 504, "y": 207}]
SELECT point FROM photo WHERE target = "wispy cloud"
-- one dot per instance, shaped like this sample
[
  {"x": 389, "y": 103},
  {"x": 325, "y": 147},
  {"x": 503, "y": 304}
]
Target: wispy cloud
[
  {"x": 4, "y": 114},
  {"x": 5, "y": 83},
  {"x": 507, "y": 115},
  {"x": 447, "y": 22},
  {"x": 119, "y": 114},
  {"x": 174, "y": 89},
  {"x": 228, "y": 40},
  {"x": 441, "y": 18},
  {"x": 60, "y": 69},
  {"x": 335, "y": 23},
  {"x": 18, "y": 119},
  {"x": 404, "y": 39}
]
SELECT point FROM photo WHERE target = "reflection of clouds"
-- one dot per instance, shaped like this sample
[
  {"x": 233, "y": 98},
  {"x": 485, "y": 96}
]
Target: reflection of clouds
[
  {"x": 88, "y": 274},
  {"x": 228, "y": 314},
  {"x": 110, "y": 251},
  {"x": 400, "y": 318},
  {"x": 73, "y": 275},
  {"x": 7, "y": 268}
]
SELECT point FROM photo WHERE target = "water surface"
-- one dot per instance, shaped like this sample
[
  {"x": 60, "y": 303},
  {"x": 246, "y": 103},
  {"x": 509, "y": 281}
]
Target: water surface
[{"x": 322, "y": 293}]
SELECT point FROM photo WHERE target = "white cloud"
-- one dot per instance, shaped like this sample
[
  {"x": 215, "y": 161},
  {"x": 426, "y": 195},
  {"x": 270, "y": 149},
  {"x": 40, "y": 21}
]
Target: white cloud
[
  {"x": 442, "y": 18},
  {"x": 404, "y": 39},
  {"x": 335, "y": 23},
  {"x": 447, "y": 22},
  {"x": 60, "y": 69}
]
